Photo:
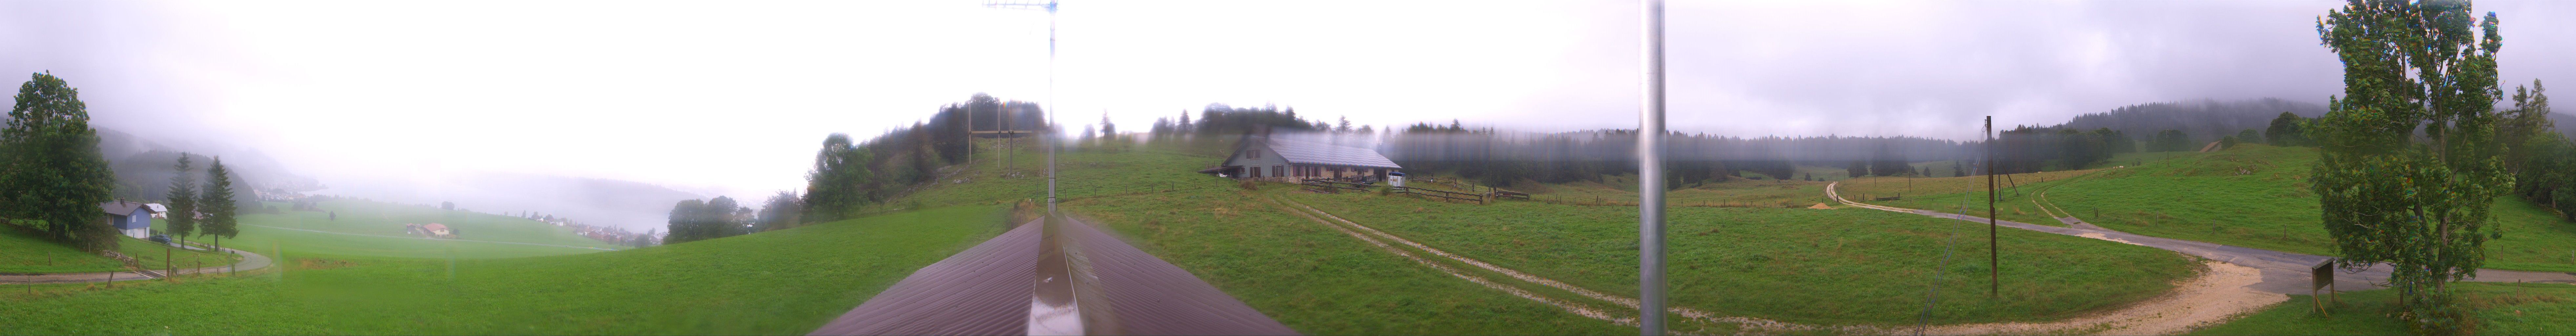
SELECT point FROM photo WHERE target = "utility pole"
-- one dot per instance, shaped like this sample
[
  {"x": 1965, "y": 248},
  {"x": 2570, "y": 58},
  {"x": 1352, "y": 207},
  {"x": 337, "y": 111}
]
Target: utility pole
[
  {"x": 1050, "y": 108},
  {"x": 1650, "y": 178},
  {"x": 1994, "y": 259},
  {"x": 1050, "y": 7}
]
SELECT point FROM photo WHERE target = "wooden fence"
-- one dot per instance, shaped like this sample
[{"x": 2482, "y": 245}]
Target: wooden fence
[
  {"x": 1445, "y": 194},
  {"x": 1477, "y": 194},
  {"x": 1328, "y": 185}
]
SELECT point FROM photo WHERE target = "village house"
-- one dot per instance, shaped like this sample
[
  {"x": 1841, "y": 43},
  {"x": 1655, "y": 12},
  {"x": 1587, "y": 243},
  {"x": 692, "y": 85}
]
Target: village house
[
  {"x": 130, "y": 219},
  {"x": 1268, "y": 158},
  {"x": 432, "y": 230}
]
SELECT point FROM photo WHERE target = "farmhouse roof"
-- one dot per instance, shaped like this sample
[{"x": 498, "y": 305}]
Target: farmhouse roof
[
  {"x": 121, "y": 207},
  {"x": 157, "y": 207},
  {"x": 1317, "y": 153},
  {"x": 433, "y": 227}
]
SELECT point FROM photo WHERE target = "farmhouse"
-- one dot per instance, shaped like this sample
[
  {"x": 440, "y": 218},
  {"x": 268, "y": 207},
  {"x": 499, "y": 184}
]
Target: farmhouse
[
  {"x": 1283, "y": 160},
  {"x": 130, "y": 219},
  {"x": 432, "y": 230}
]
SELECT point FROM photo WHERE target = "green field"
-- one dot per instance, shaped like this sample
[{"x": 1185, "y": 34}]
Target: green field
[
  {"x": 1964, "y": 194},
  {"x": 1835, "y": 267},
  {"x": 2499, "y": 308},
  {"x": 374, "y": 229},
  {"x": 22, "y": 253},
  {"x": 1740, "y": 193},
  {"x": 2256, "y": 196},
  {"x": 1301, "y": 273},
  {"x": 780, "y": 282}
]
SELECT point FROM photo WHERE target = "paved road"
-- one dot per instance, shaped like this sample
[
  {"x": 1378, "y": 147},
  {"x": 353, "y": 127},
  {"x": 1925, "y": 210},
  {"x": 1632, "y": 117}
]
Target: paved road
[
  {"x": 2283, "y": 272},
  {"x": 250, "y": 261}
]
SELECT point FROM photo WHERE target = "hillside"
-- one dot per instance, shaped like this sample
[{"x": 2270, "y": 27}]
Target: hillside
[
  {"x": 780, "y": 282},
  {"x": 2257, "y": 196},
  {"x": 24, "y": 253},
  {"x": 1319, "y": 281},
  {"x": 2204, "y": 121}
]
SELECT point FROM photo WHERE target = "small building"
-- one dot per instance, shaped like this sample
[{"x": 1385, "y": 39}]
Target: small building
[
  {"x": 437, "y": 230},
  {"x": 158, "y": 211},
  {"x": 1282, "y": 160},
  {"x": 130, "y": 218}
]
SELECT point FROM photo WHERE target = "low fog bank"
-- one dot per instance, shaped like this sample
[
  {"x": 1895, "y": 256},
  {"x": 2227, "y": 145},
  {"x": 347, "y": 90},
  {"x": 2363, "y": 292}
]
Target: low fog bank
[
  {"x": 144, "y": 166},
  {"x": 634, "y": 206}
]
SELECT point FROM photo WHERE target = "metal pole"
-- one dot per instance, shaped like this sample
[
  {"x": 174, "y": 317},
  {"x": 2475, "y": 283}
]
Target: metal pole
[
  {"x": 1994, "y": 261},
  {"x": 1051, "y": 108},
  {"x": 1650, "y": 179}
]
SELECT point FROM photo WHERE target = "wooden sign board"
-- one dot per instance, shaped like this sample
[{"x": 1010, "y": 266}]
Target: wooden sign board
[
  {"x": 2322, "y": 274},
  {"x": 2321, "y": 277}
]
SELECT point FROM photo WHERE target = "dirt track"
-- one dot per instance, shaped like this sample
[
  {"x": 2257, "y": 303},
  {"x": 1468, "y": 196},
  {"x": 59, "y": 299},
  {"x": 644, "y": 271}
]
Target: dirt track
[
  {"x": 2276, "y": 273},
  {"x": 2214, "y": 295}
]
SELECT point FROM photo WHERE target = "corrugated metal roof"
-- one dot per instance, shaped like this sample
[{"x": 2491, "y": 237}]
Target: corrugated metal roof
[
  {"x": 1317, "y": 153},
  {"x": 982, "y": 291},
  {"x": 988, "y": 290},
  {"x": 1153, "y": 297}
]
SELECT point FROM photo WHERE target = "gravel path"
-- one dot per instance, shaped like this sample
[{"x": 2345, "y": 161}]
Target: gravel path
[
  {"x": 2283, "y": 272},
  {"x": 2214, "y": 297}
]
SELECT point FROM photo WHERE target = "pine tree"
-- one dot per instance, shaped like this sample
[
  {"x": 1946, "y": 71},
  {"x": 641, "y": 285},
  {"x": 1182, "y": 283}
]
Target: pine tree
[
  {"x": 217, "y": 200},
  {"x": 183, "y": 201}
]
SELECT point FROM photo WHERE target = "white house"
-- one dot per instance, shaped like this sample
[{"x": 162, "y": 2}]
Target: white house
[{"x": 1283, "y": 160}]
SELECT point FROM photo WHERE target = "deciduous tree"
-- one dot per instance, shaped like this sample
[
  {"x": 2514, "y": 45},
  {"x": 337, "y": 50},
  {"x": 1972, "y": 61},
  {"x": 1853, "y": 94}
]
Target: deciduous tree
[
  {"x": 53, "y": 171},
  {"x": 2419, "y": 209}
]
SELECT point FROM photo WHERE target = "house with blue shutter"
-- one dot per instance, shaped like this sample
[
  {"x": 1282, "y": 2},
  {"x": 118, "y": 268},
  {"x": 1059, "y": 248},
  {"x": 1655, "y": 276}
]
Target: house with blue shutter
[{"x": 132, "y": 219}]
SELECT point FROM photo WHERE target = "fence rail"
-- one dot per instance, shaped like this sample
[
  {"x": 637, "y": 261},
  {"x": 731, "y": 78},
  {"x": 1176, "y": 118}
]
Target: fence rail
[
  {"x": 1329, "y": 185},
  {"x": 1478, "y": 198},
  {"x": 1469, "y": 193}
]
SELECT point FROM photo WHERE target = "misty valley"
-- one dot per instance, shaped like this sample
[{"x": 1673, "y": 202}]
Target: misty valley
[{"x": 2362, "y": 167}]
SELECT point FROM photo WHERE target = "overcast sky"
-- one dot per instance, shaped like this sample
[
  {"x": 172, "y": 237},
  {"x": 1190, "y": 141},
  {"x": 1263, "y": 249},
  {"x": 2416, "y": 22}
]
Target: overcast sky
[{"x": 732, "y": 97}]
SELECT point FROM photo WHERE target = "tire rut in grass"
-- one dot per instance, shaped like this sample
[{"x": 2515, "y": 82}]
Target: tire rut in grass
[
  {"x": 1576, "y": 308},
  {"x": 1742, "y": 323}
]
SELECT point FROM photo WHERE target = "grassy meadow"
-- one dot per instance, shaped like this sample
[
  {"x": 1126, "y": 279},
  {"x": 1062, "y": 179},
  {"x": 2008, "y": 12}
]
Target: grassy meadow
[
  {"x": 1301, "y": 273},
  {"x": 2499, "y": 308},
  {"x": 780, "y": 282},
  {"x": 375, "y": 230},
  {"x": 1968, "y": 194},
  {"x": 1842, "y": 266},
  {"x": 2257, "y": 196},
  {"x": 26, "y": 253},
  {"x": 1832, "y": 267}
]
